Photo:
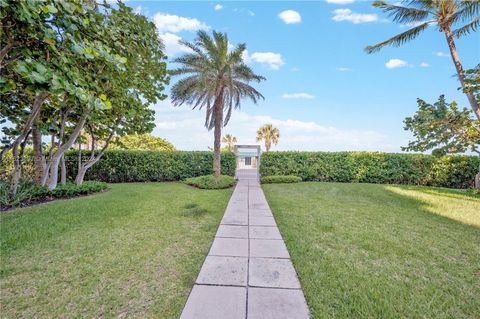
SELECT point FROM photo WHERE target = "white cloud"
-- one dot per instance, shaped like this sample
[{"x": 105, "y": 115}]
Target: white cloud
[
  {"x": 424, "y": 65},
  {"x": 442, "y": 54},
  {"x": 340, "y": 1},
  {"x": 395, "y": 63},
  {"x": 172, "y": 23},
  {"x": 251, "y": 13},
  {"x": 218, "y": 7},
  {"x": 272, "y": 59},
  {"x": 344, "y": 69},
  {"x": 172, "y": 44},
  {"x": 184, "y": 128},
  {"x": 295, "y": 69},
  {"x": 297, "y": 96},
  {"x": 356, "y": 18},
  {"x": 169, "y": 24},
  {"x": 290, "y": 16}
]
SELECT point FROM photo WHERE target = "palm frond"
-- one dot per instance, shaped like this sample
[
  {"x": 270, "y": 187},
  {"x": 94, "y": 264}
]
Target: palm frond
[
  {"x": 421, "y": 4},
  {"x": 399, "y": 39},
  {"x": 472, "y": 26},
  {"x": 468, "y": 9},
  {"x": 402, "y": 14}
]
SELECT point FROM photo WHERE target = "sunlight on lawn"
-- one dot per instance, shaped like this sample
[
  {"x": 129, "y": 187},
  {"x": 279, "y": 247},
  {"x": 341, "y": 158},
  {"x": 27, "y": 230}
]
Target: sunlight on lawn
[{"x": 459, "y": 207}]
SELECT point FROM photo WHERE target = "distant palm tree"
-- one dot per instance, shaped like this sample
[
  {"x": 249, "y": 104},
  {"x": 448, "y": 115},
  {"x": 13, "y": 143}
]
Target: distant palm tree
[
  {"x": 230, "y": 141},
  {"x": 216, "y": 79},
  {"x": 420, "y": 14},
  {"x": 269, "y": 134}
]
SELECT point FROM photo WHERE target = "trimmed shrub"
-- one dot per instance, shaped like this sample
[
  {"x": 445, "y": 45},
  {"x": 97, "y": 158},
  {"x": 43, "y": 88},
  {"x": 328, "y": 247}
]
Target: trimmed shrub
[
  {"x": 118, "y": 166},
  {"x": 28, "y": 192},
  {"x": 277, "y": 179},
  {"x": 211, "y": 182},
  {"x": 452, "y": 171}
]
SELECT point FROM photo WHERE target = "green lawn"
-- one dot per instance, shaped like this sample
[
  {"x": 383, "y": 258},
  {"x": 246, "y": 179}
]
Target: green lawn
[
  {"x": 131, "y": 252},
  {"x": 379, "y": 251}
]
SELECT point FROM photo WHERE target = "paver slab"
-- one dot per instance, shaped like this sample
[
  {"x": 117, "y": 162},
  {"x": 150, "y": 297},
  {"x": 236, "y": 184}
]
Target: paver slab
[
  {"x": 260, "y": 212},
  {"x": 207, "y": 302},
  {"x": 227, "y": 271},
  {"x": 272, "y": 273},
  {"x": 232, "y": 231},
  {"x": 235, "y": 247},
  {"x": 262, "y": 221},
  {"x": 268, "y": 248},
  {"x": 259, "y": 206},
  {"x": 267, "y": 303},
  {"x": 263, "y": 232},
  {"x": 235, "y": 219}
]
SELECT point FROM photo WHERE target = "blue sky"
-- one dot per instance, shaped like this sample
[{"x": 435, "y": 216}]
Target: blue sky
[{"x": 322, "y": 91}]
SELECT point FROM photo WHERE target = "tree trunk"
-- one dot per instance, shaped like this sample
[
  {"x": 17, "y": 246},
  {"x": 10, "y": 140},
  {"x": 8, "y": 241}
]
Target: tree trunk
[
  {"x": 5, "y": 149},
  {"x": 37, "y": 105},
  {"x": 17, "y": 166},
  {"x": 63, "y": 171},
  {"x": 82, "y": 168},
  {"x": 267, "y": 145},
  {"x": 460, "y": 71},
  {"x": 218, "y": 118},
  {"x": 39, "y": 160},
  {"x": 55, "y": 160}
]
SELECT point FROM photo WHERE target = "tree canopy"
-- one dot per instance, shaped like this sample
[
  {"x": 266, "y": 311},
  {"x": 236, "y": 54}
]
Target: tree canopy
[
  {"x": 145, "y": 142},
  {"x": 443, "y": 128},
  {"x": 72, "y": 66}
]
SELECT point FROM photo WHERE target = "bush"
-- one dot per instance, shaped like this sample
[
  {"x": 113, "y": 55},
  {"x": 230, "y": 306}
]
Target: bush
[
  {"x": 276, "y": 179},
  {"x": 118, "y": 166},
  {"x": 211, "y": 182},
  {"x": 27, "y": 192},
  {"x": 452, "y": 171}
]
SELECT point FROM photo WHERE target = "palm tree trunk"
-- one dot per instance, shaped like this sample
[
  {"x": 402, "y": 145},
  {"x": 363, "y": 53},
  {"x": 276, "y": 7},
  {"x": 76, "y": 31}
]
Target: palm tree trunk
[
  {"x": 460, "y": 71},
  {"x": 217, "y": 133}
]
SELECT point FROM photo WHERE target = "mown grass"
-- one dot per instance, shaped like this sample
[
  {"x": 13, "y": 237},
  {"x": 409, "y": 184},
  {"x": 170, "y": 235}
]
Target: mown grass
[
  {"x": 382, "y": 251},
  {"x": 131, "y": 252}
]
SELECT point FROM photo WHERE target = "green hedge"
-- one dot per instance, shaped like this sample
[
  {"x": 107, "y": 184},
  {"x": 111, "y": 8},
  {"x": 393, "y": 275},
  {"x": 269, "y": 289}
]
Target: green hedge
[
  {"x": 117, "y": 166},
  {"x": 279, "y": 179},
  {"x": 211, "y": 182},
  {"x": 373, "y": 167}
]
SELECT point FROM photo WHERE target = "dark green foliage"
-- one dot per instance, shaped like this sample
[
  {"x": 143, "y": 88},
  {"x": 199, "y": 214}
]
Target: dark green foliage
[
  {"x": 28, "y": 192},
  {"x": 277, "y": 179},
  {"x": 118, "y": 166},
  {"x": 373, "y": 167},
  {"x": 211, "y": 182}
]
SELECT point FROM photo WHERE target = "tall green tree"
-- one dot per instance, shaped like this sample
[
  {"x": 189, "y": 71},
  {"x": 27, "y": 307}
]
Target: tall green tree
[
  {"x": 217, "y": 80},
  {"x": 229, "y": 140},
  {"x": 43, "y": 43},
  {"x": 269, "y": 134},
  {"x": 443, "y": 128},
  {"x": 75, "y": 65},
  {"x": 454, "y": 18}
]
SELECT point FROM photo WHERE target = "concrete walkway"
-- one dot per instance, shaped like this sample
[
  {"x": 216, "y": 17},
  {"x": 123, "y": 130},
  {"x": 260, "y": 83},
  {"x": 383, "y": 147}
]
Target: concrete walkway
[{"x": 248, "y": 272}]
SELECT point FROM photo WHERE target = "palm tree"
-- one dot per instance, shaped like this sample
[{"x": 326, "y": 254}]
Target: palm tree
[
  {"x": 269, "y": 134},
  {"x": 215, "y": 79},
  {"x": 230, "y": 141},
  {"x": 445, "y": 14}
]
